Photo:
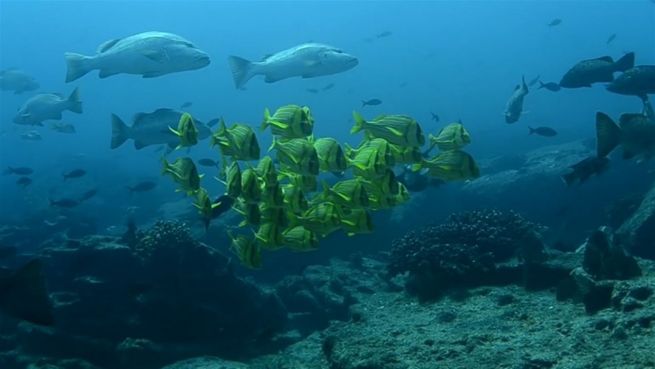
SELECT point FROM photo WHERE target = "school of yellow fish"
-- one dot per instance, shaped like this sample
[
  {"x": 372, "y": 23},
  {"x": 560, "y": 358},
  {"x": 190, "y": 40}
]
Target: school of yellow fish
[{"x": 280, "y": 197}]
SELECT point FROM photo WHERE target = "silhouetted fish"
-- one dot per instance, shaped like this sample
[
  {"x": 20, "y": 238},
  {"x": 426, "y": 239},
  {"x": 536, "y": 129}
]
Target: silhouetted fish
[
  {"x": 555, "y": 22},
  {"x": 186, "y": 105},
  {"x": 24, "y": 181},
  {"x": 371, "y": 102},
  {"x": 21, "y": 171},
  {"x": 550, "y": 86},
  {"x": 543, "y": 131},
  {"x": 142, "y": 186},
  {"x": 312, "y": 90},
  {"x": 435, "y": 117},
  {"x": 611, "y": 38},
  {"x": 328, "y": 87},
  {"x": 64, "y": 203},
  {"x": 75, "y": 173},
  {"x": 88, "y": 194},
  {"x": 206, "y": 162},
  {"x": 384, "y": 34}
]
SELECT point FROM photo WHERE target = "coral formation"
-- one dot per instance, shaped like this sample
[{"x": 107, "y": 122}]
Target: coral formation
[{"x": 465, "y": 250}]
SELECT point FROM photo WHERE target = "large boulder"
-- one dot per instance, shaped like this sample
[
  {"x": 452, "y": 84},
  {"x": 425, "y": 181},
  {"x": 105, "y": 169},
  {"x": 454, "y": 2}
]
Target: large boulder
[
  {"x": 129, "y": 303},
  {"x": 637, "y": 234}
]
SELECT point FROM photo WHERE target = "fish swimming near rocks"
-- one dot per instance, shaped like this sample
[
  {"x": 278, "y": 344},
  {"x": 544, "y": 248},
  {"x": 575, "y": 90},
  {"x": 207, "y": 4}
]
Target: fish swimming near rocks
[
  {"x": 150, "y": 54},
  {"x": 635, "y": 133},
  {"x": 143, "y": 186},
  {"x": 588, "y": 72},
  {"x": 75, "y": 173},
  {"x": 21, "y": 171},
  {"x": 18, "y": 81},
  {"x": 637, "y": 81},
  {"x": 23, "y": 294},
  {"x": 543, "y": 131},
  {"x": 152, "y": 129},
  {"x": 514, "y": 106},
  {"x": 306, "y": 60},
  {"x": 584, "y": 169},
  {"x": 43, "y": 107}
]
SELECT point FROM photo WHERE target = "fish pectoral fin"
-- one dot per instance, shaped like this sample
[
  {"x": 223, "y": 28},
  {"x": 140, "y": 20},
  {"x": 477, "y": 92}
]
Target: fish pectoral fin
[
  {"x": 107, "y": 45},
  {"x": 395, "y": 131},
  {"x": 278, "y": 124},
  {"x": 152, "y": 74},
  {"x": 156, "y": 55},
  {"x": 106, "y": 73},
  {"x": 271, "y": 78},
  {"x": 176, "y": 132}
]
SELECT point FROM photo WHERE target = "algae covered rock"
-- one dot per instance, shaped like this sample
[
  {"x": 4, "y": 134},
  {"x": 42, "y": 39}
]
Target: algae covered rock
[{"x": 466, "y": 251}]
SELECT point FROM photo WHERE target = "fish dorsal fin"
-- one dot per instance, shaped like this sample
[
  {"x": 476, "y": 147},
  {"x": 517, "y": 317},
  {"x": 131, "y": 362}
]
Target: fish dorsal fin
[
  {"x": 266, "y": 57},
  {"x": 606, "y": 59},
  {"x": 163, "y": 110},
  {"x": 107, "y": 45}
]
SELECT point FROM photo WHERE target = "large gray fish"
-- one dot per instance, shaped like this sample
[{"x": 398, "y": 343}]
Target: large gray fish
[
  {"x": 150, "y": 54},
  {"x": 635, "y": 133},
  {"x": 23, "y": 294},
  {"x": 602, "y": 69},
  {"x": 17, "y": 81},
  {"x": 306, "y": 61},
  {"x": 638, "y": 81},
  {"x": 43, "y": 107},
  {"x": 514, "y": 106},
  {"x": 152, "y": 129}
]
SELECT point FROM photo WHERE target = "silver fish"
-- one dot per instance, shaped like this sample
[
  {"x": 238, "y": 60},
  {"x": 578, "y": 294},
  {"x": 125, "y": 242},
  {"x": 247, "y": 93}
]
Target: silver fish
[
  {"x": 306, "y": 61},
  {"x": 150, "y": 54},
  {"x": 47, "y": 106},
  {"x": 514, "y": 106}
]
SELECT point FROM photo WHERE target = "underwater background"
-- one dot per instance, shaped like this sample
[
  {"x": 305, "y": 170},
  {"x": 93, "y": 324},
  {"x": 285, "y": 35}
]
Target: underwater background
[{"x": 445, "y": 279}]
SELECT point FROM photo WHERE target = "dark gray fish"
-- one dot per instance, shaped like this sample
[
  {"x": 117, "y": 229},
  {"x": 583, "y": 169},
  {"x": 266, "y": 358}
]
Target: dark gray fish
[
  {"x": 88, "y": 194},
  {"x": 610, "y": 39},
  {"x": 371, "y": 102},
  {"x": 586, "y": 168},
  {"x": 555, "y": 22},
  {"x": 384, "y": 34},
  {"x": 17, "y": 81},
  {"x": 75, "y": 173},
  {"x": 435, "y": 117},
  {"x": 206, "y": 162},
  {"x": 221, "y": 205},
  {"x": 312, "y": 90},
  {"x": 550, "y": 86},
  {"x": 186, "y": 105},
  {"x": 534, "y": 81},
  {"x": 543, "y": 131},
  {"x": 64, "y": 203},
  {"x": 152, "y": 129},
  {"x": 23, "y": 294},
  {"x": 21, "y": 171},
  {"x": 7, "y": 252},
  {"x": 328, "y": 86},
  {"x": 514, "y": 106},
  {"x": 590, "y": 71},
  {"x": 24, "y": 181},
  {"x": 142, "y": 186},
  {"x": 638, "y": 81}
]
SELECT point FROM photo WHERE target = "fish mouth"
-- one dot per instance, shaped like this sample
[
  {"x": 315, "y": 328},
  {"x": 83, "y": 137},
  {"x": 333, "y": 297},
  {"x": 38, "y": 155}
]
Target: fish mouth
[{"x": 352, "y": 62}]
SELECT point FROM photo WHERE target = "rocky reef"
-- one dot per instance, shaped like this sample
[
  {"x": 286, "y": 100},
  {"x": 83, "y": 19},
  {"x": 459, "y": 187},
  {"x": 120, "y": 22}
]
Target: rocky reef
[
  {"x": 637, "y": 233},
  {"x": 158, "y": 296},
  {"x": 466, "y": 250}
]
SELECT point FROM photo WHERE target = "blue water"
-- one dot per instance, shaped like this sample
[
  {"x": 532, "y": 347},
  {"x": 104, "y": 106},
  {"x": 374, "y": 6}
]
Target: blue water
[{"x": 458, "y": 59}]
